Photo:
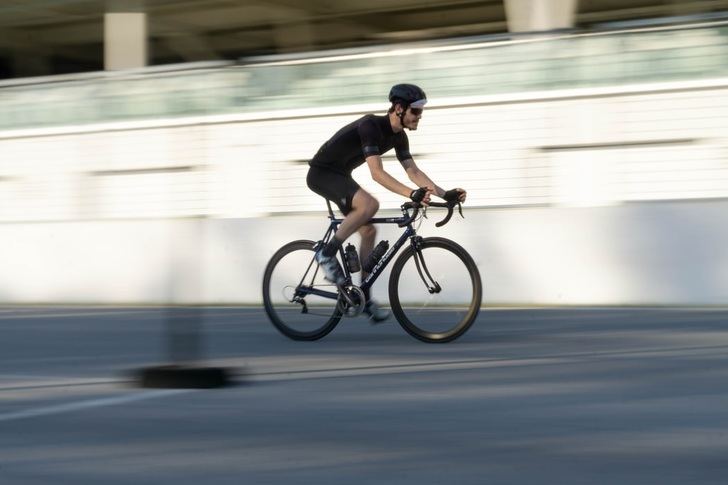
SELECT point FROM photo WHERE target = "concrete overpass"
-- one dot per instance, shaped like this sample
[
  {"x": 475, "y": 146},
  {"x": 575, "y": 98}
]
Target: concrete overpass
[{"x": 39, "y": 37}]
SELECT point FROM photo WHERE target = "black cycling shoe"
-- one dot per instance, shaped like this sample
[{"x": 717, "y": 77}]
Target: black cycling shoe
[
  {"x": 375, "y": 313},
  {"x": 330, "y": 266}
]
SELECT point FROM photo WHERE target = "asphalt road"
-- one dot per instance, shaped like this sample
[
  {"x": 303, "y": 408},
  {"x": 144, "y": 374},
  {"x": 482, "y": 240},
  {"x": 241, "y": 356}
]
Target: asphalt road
[{"x": 527, "y": 396}]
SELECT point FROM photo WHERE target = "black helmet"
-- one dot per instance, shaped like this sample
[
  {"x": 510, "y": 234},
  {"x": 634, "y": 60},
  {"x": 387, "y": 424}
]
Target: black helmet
[{"x": 409, "y": 94}]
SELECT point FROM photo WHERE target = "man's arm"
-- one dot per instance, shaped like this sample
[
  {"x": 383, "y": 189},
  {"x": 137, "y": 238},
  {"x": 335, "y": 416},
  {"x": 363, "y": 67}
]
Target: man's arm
[
  {"x": 420, "y": 178},
  {"x": 383, "y": 178}
]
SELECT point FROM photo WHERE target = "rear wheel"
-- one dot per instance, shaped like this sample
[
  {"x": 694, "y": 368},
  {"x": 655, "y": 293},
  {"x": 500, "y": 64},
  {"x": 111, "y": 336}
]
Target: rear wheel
[
  {"x": 435, "y": 290},
  {"x": 298, "y": 300}
]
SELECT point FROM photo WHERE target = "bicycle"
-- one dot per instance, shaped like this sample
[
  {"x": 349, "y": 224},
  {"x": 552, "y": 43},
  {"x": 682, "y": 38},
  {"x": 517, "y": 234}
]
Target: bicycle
[{"x": 304, "y": 306}]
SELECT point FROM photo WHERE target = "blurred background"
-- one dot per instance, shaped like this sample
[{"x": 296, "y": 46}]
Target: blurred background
[{"x": 156, "y": 151}]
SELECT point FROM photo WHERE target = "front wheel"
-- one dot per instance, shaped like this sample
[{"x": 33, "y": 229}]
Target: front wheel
[
  {"x": 298, "y": 301},
  {"x": 435, "y": 290}
]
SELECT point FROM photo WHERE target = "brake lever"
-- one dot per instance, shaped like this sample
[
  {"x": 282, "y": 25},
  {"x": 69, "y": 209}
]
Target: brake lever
[
  {"x": 460, "y": 209},
  {"x": 406, "y": 222}
]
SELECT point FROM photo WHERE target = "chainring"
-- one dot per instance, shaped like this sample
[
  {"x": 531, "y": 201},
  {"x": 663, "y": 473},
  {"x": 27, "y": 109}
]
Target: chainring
[{"x": 351, "y": 304}]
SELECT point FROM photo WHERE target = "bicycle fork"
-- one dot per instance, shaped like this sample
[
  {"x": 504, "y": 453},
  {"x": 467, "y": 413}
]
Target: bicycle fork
[{"x": 430, "y": 283}]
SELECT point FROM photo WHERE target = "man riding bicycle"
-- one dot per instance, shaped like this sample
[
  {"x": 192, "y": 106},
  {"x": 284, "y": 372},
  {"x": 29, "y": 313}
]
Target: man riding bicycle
[{"x": 366, "y": 139}]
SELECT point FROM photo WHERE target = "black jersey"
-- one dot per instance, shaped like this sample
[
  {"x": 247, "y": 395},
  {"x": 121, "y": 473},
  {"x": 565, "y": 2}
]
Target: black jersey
[{"x": 349, "y": 147}]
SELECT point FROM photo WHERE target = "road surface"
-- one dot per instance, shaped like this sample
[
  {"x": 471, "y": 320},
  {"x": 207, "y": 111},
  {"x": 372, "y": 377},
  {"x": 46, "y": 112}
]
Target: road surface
[{"x": 527, "y": 396}]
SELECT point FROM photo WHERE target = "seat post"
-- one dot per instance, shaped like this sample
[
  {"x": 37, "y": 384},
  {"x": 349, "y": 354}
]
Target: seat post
[{"x": 331, "y": 212}]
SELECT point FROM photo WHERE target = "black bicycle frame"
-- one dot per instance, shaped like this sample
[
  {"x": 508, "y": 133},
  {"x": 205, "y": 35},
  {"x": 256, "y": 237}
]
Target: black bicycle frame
[{"x": 378, "y": 268}]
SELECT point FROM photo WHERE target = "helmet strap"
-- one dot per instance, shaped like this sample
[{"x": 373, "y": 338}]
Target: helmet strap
[{"x": 401, "y": 115}]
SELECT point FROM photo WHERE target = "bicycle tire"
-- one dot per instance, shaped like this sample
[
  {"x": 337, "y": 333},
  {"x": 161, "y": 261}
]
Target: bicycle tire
[
  {"x": 412, "y": 316},
  {"x": 283, "y": 320}
]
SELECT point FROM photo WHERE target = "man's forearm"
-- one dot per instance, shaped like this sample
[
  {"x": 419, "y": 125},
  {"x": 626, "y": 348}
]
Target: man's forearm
[
  {"x": 391, "y": 183},
  {"x": 422, "y": 180}
]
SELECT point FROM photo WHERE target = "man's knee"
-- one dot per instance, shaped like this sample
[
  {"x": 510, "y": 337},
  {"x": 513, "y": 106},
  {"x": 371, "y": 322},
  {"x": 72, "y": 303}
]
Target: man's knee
[
  {"x": 365, "y": 204},
  {"x": 368, "y": 231},
  {"x": 372, "y": 206}
]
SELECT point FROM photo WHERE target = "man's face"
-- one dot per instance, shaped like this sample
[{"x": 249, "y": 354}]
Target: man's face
[{"x": 412, "y": 118}]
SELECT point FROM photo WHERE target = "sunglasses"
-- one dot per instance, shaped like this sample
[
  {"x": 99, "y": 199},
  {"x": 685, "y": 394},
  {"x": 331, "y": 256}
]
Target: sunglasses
[{"x": 416, "y": 111}]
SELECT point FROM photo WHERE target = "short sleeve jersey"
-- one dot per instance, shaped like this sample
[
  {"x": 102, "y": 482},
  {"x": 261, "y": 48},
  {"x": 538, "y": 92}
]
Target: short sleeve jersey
[{"x": 349, "y": 147}]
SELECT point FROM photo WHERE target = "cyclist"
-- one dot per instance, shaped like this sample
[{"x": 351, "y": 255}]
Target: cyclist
[{"x": 366, "y": 139}]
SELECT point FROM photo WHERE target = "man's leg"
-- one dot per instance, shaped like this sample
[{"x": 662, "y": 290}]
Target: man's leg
[
  {"x": 368, "y": 233},
  {"x": 363, "y": 208}
]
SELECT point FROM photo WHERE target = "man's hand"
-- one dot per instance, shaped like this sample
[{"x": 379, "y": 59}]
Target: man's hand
[
  {"x": 422, "y": 195},
  {"x": 455, "y": 195}
]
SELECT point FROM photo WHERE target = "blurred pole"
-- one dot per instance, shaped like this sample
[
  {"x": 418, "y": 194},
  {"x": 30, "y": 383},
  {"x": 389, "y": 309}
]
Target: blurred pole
[
  {"x": 540, "y": 15},
  {"x": 184, "y": 315}
]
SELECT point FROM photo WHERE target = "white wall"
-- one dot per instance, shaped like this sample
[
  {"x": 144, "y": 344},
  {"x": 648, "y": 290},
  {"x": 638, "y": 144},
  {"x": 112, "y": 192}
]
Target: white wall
[{"x": 662, "y": 253}]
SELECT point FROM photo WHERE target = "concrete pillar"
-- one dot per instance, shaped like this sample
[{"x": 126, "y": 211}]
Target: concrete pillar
[
  {"x": 540, "y": 15},
  {"x": 125, "y": 40}
]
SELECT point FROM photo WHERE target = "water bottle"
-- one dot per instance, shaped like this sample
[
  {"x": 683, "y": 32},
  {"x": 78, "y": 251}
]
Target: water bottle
[
  {"x": 376, "y": 255},
  {"x": 352, "y": 259}
]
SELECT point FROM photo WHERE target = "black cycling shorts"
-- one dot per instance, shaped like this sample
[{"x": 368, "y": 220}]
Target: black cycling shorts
[{"x": 337, "y": 187}]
